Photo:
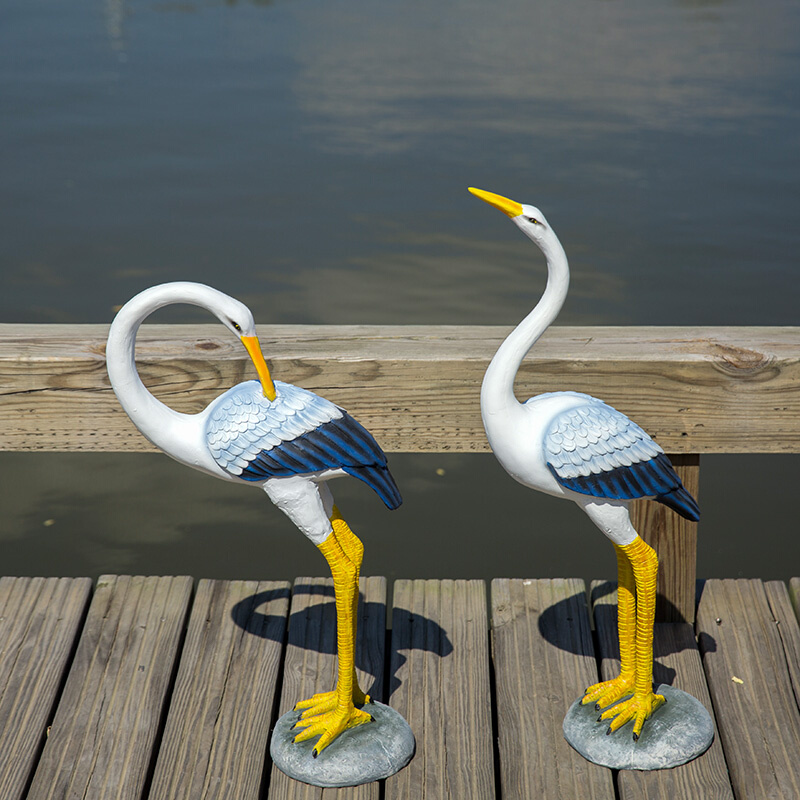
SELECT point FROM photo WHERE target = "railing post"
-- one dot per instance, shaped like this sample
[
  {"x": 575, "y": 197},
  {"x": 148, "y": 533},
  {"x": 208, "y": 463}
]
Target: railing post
[{"x": 675, "y": 540}]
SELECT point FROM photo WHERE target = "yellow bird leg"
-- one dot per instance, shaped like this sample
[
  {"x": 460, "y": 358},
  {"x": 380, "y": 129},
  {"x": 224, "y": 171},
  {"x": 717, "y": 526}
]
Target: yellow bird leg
[
  {"x": 328, "y": 714},
  {"x": 606, "y": 693},
  {"x": 644, "y": 701},
  {"x": 354, "y": 550}
]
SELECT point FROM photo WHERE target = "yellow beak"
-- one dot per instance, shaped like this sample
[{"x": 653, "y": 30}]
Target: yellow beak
[
  {"x": 254, "y": 350},
  {"x": 508, "y": 207}
]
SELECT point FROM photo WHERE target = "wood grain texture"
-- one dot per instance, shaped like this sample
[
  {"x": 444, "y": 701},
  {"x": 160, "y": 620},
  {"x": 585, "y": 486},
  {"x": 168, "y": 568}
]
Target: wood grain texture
[
  {"x": 745, "y": 665},
  {"x": 794, "y": 594},
  {"x": 696, "y": 390},
  {"x": 102, "y": 738},
  {"x": 216, "y": 737},
  {"x": 439, "y": 678},
  {"x": 678, "y": 664},
  {"x": 675, "y": 540},
  {"x": 39, "y": 622},
  {"x": 543, "y": 661},
  {"x": 310, "y": 666},
  {"x": 788, "y": 629}
]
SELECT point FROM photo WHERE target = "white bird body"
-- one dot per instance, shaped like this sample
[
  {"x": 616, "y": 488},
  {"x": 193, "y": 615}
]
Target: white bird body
[
  {"x": 574, "y": 446},
  {"x": 567, "y": 444},
  {"x": 284, "y": 439},
  {"x": 242, "y": 424},
  {"x": 529, "y": 422}
]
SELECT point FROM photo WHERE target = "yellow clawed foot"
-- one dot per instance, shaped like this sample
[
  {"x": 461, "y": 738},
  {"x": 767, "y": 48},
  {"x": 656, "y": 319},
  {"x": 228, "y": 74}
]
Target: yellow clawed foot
[
  {"x": 607, "y": 692},
  {"x": 323, "y": 702},
  {"x": 637, "y": 708},
  {"x": 328, "y": 725}
]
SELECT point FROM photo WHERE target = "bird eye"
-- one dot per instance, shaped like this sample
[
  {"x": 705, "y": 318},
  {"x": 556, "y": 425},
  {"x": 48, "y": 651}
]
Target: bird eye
[
  {"x": 237, "y": 326},
  {"x": 533, "y": 220}
]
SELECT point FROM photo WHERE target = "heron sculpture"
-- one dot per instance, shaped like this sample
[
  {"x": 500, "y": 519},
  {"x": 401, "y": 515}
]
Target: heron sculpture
[
  {"x": 574, "y": 446},
  {"x": 283, "y": 439}
]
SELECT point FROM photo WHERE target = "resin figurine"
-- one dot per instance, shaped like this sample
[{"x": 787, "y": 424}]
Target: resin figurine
[
  {"x": 574, "y": 446},
  {"x": 283, "y": 439}
]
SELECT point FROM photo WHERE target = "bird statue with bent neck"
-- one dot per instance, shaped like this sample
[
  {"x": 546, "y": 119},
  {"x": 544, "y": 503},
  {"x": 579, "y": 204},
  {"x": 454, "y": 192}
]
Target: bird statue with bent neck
[
  {"x": 283, "y": 439},
  {"x": 575, "y": 446}
]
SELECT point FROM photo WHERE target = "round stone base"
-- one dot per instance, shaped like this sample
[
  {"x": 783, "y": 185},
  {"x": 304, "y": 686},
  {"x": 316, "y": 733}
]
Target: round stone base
[
  {"x": 676, "y": 733},
  {"x": 359, "y": 755}
]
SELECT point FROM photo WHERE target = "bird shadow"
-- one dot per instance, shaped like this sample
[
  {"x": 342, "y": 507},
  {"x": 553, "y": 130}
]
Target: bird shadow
[
  {"x": 313, "y": 627},
  {"x": 558, "y": 626}
]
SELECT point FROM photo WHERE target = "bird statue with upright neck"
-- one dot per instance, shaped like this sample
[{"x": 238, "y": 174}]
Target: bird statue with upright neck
[
  {"x": 574, "y": 446},
  {"x": 283, "y": 439}
]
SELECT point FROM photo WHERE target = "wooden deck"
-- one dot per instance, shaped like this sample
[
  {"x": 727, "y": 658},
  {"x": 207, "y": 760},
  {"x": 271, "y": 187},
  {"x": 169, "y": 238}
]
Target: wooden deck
[{"x": 152, "y": 687}]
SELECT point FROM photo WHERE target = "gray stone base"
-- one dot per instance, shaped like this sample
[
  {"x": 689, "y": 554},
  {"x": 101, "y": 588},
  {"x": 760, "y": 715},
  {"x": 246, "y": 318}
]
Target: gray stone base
[
  {"x": 677, "y": 732},
  {"x": 359, "y": 755}
]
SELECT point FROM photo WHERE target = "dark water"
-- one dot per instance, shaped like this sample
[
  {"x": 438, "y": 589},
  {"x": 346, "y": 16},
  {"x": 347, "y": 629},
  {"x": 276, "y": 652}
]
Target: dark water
[{"x": 312, "y": 159}]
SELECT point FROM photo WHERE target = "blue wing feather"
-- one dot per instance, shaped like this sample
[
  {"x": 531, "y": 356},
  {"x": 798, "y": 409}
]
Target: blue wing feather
[
  {"x": 339, "y": 444},
  {"x": 299, "y": 433},
  {"x": 595, "y": 450}
]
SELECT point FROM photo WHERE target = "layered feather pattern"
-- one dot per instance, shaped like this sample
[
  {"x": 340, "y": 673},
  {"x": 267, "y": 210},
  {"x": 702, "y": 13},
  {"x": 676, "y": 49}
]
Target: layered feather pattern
[
  {"x": 296, "y": 434},
  {"x": 593, "y": 449}
]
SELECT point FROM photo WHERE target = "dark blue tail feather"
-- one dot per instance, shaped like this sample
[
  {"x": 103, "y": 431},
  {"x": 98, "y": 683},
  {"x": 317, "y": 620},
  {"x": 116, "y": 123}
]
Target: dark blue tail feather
[
  {"x": 681, "y": 502},
  {"x": 655, "y": 478},
  {"x": 380, "y": 480}
]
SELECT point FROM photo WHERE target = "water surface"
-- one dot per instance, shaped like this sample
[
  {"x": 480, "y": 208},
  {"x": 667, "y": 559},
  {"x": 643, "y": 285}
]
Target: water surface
[{"x": 312, "y": 159}]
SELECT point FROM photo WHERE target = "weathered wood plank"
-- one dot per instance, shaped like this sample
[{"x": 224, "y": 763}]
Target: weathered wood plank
[
  {"x": 39, "y": 623},
  {"x": 216, "y": 737},
  {"x": 310, "y": 666},
  {"x": 788, "y": 629},
  {"x": 101, "y": 741},
  {"x": 697, "y": 390},
  {"x": 794, "y": 594},
  {"x": 745, "y": 664},
  {"x": 543, "y": 660},
  {"x": 675, "y": 540},
  {"x": 439, "y": 677},
  {"x": 677, "y": 663}
]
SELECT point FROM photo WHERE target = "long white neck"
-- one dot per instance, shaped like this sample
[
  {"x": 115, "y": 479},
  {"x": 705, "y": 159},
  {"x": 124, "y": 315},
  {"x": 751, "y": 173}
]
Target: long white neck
[
  {"x": 167, "y": 429},
  {"x": 497, "y": 390}
]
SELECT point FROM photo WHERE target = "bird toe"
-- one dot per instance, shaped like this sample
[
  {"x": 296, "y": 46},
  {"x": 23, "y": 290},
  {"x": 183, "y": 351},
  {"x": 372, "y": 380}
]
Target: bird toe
[
  {"x": 330, "y": 725},
  {"x": 606, "y": 693},
  {"x": 317, "y": 705},
  {"x": 638, "y": 708}
]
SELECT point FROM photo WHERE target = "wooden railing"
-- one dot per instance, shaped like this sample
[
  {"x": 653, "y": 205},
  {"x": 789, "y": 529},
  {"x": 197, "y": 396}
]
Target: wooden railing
[{"x": 695, "y": 390}]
